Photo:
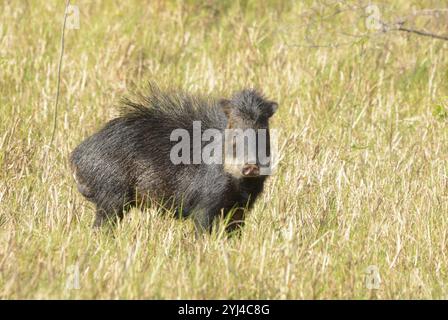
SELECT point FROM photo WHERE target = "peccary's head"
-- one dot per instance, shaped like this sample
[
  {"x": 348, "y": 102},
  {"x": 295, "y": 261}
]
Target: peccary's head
[{"x": 247, "y": 140}]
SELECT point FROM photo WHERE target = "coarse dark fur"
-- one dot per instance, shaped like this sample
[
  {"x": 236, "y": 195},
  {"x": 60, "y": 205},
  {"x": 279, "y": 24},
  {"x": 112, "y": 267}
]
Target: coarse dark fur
[{"x": 128, "y": 161}]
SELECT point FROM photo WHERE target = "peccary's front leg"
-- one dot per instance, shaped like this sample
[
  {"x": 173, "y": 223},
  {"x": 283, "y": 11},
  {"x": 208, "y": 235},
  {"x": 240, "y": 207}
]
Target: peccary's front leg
[
  {"x": 203, "y": 218},
  {"x": 210, "y": 201},
  {"x": 236, "y": 220}
]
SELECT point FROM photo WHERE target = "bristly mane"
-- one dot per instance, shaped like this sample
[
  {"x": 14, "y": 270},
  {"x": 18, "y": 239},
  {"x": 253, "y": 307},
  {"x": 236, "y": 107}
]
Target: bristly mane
[{"x": 175, "y": 109}]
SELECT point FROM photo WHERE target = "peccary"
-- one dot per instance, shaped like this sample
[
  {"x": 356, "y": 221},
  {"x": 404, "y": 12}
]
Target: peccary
[{"x": 129, "y": 161}]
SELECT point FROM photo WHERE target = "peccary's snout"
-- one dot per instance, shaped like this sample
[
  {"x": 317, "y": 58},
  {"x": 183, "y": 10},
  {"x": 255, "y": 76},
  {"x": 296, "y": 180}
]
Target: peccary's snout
[{"x": 251, "y": 170}]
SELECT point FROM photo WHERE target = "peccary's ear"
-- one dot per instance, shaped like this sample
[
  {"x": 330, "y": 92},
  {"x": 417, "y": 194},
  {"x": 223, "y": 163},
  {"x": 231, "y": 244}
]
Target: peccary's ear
[
  {"x": 226, "y": 106},
  {"x": 271, "y": 108}
]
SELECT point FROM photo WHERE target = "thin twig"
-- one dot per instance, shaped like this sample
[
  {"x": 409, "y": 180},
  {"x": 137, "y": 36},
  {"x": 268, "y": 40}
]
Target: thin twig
[
  {"x": 59, "y": 74},
  {"x": 422, "y": 33},
  {"x": 400, "y": 27}
]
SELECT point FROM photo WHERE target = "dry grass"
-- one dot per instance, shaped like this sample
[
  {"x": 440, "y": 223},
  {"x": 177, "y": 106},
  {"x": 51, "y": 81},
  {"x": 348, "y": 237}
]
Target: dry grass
[{"x": 363, "y": 179}]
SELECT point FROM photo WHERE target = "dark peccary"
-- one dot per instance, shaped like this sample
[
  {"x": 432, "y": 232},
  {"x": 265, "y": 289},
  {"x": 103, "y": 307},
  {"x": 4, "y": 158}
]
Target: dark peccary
[{"x": 128, "y": 161}]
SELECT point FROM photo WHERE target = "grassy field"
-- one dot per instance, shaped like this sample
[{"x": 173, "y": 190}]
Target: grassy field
[{"x": 362, "y": 184}]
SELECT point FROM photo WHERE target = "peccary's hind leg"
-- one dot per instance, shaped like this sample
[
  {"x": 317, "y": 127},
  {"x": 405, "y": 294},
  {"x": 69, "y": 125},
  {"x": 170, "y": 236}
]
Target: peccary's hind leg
[
  {"x": 104, "y": 216},
  {"x": 111, "y": 213},
  {"x": 85, "y": 190},
  {"x": 83, "y": 186}
]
